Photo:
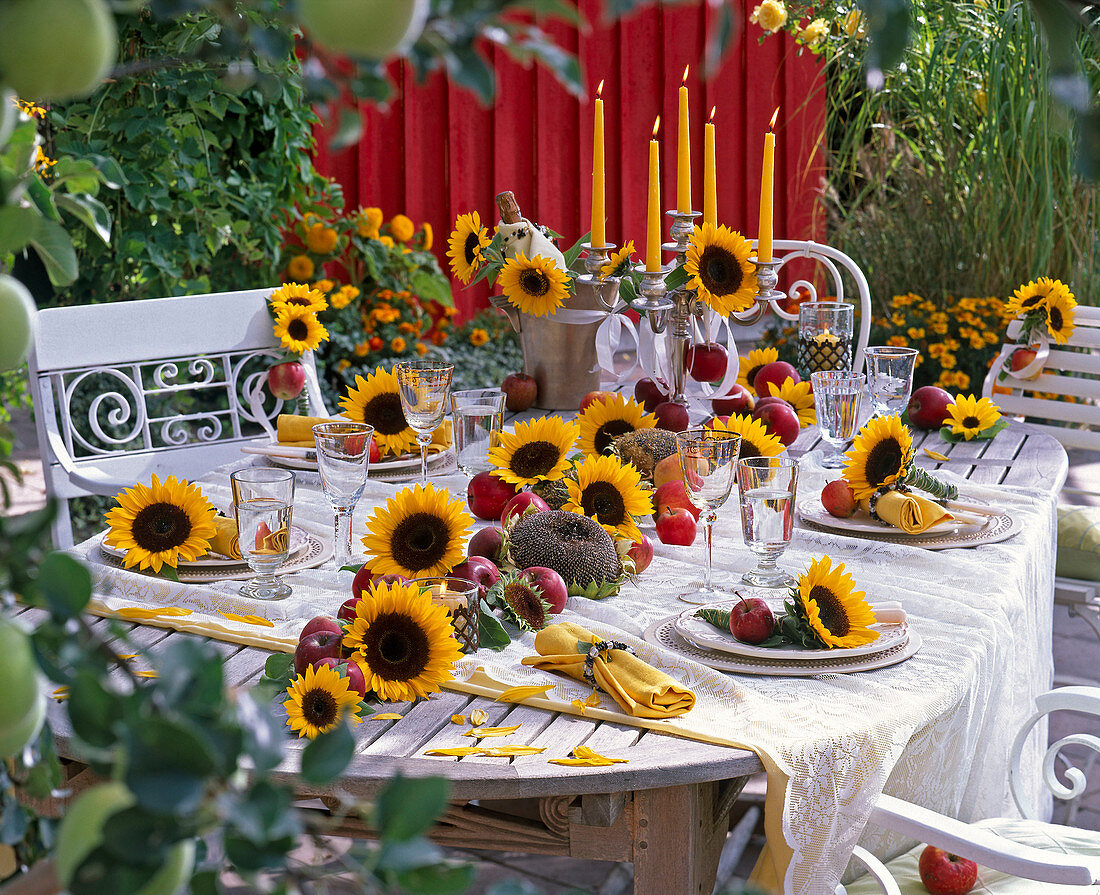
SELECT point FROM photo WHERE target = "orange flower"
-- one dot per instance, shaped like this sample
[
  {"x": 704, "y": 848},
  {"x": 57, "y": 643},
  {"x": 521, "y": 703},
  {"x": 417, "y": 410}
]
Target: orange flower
[
  {"x": 321, "y": 239},
  {"x": 362, "y": 349},
  {"x": 300, "y": 268},
  {"x": 376, "y": 343},
  {"x": 438, "y": 338},
  {"x": 421, "y": 348},
  {"x": 397, "y": 345},
  {"x": 406, "y": 328},
  {"x": 479, "y": 337},
  {"x": 324, "y": 285},
  {"x": 402, "y": 228}
]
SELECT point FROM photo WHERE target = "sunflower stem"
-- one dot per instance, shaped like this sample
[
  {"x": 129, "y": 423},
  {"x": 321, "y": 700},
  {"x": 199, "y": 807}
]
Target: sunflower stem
[{"x": 918, "y": 478}]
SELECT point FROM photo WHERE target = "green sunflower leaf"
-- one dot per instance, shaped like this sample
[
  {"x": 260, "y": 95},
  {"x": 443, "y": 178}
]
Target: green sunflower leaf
[
  {"x": 490, "y": 632},
  {"x": 676, "y": 279}
]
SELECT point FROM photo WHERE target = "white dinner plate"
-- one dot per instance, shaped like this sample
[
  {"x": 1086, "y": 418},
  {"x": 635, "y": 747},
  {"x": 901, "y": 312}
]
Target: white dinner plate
[
  {"x": 299, "y": 541},
  {"x": 402, "y": 464},
  {"x": 810, "y": 509}
]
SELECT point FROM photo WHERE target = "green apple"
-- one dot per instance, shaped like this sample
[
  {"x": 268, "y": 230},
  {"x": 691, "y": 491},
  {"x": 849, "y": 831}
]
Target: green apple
[
  {"x": 17, "y": 312},
  {"x": 55, "y": 49},
  {"x": 375, "y": 29},
  {"x": 81, "y": 832}
]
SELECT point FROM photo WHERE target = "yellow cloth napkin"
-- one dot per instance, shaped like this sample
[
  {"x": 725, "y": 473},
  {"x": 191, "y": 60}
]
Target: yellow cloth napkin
[
  {"x": 225, "y": 540},
  {"x": 909, "y": 512},
  {"x": 641, "y": 689},
  {"x": 297, "y": 431}
]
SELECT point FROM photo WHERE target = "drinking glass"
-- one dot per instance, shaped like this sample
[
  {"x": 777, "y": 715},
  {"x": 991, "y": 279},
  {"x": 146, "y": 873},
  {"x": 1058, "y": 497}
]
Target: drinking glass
[
  {"x": 478, "y": 416},
  {"x": 768, "y": 486},
  {"x": 890, "y": 377},
  {"x": 825, "y": 336},
  {"x": 343, "y": 451},
  {"x": 708, "y": 458},
  {"x": 423, "y": 386},
  {"x": 836, "y": 397},
  {"x": 263, "y": 501},
  {"x": 461, "y": 599}
]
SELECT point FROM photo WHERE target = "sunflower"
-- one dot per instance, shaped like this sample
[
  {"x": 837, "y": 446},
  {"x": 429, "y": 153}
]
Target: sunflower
[
  {"x": 619, "y": 263},
  {"x": 466, "y": 242},
  {"x": 971, "y": 415},
  {"x": 800, "y": 396},
  {"x": 377, "y": 402},
  {"x": 318, "y": 700},
  {"x": 837, "y": 613},
  {"x": 1060, "y": 313},
  {"x": 419, "y": 533},
  {"x": 299, "y": 329},
  {"x": 161, "y": 523},
  {"x": 610, "y": 493},
  {"x": 880, "y": 455},
  {"x": 535, "y": 286},
  {"x": 1031, "y": 296},
  {"x": 522, "y": 601},
  {"x": 720, "y": 271},
  {"x": 748, "y": 367},
  {"x": 601, "y": 422},
  {"x": 538, "y": 449},
  {"x": 756, "y": 440},
  {"x": 298, "y": 295},
  {"x": 404, "y": 643}
]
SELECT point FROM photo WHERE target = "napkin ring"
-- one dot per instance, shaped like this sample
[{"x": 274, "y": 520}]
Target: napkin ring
[
  {"x": 600, "y": 646},
  {"x": 872, "y": 501}
]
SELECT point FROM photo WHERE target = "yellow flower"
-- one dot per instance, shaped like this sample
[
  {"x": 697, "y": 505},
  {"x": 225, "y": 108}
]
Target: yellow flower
[
  {"x": 386, "y": 241},
  {"x": 880, "y": 455},
  {"x": 320, "y": 239},
  {"x": 318, "y": 701},
  {"x": 899, "y": 341},
  {"x": 799, "y": 396},
  {"x": 362, "y": 349},
  {"x": 402, "y": 228},
  {"x": 619, "y": 262},
  {"x": 420, "y": 532},
  {"x": 344, "y": 297},
  {"x": 610, "y": 493},
  {"x": 749, "y": 366},
  {"x": 376, "y": 401},
  {"x": 953, "y": 379},
  {"x": 42, "y": 162},
  {"x": 756, "y": 440},
  {"x": 299, "y": 330},
  {"x": 771, "y": 15},
  {"x": 971, "y": 415},
  {"x": 479, "y": 337},
  {"x": 948, "y": 361},
  {"x": 300, "y": 267},
  {"x": 855, "y": 25},
  {"x": 815, "y": 32},
  {"x": 428, "y": 237},
  {"x": 161, "y": 523},
  {"x": 421, "y": 348},
  {"x": 466, "y": 242},
  {"x": 342, "y": 364},
  {"x": 404, "y": 643},
  {"x": 535, "y": 286},
  {"x": 397, "y": 345},
  {"x": 1060, "y": 313},
  {"x": 719, "y": 268},
  {"x": 601, "y": 422},
  {"x": 837, "y": 613},
  {"x": 915, "y": 332},
  {"x": 538, "y": 449},
  {"x": 324, "y": 286},
  {"x": 368, "y": 221},
  {"x": 297, "y": 295}
]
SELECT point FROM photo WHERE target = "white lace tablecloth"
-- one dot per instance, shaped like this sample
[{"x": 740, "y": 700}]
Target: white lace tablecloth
[{"x": 935, "y": 729}]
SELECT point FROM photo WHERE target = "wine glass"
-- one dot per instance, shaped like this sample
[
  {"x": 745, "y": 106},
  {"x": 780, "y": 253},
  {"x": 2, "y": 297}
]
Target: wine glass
[
  {"x": 343, "y": 451},
  {"x": 263, "y": 501},
  {"x": 890, "y": 377},
  {"x": 708, "y": 458},
  {"x": 768, "y": 486},
  {"x": 423, "y": 386},
  {"x": 837, "y": 396}
]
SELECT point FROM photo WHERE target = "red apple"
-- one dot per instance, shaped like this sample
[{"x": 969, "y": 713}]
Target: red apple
[
  {"x": 593, "y": 397},
  {"x": 320, "y": 623},
  {"x": 375, "y": 453},
  {"x": 777, "y": 371},
  {"x": 488, "y": 494},
  {"x": 487, "y": 542},
  {"x": 946, "y": 874},
  {"x": 317, "y": 646},
  {"x": 671, "y": 416},
  {"x": 481, "y": 571},
  {"x": 751, "y": 620},
  {"x": 551, "y": 584},
  {"x": 739, "y": 400},
  {"x": 667, "y": 470},
  {"x": 838, "y": 499},
  {"x": 928, "y": 407},
  {"x": 286, "y": 380},
  {"x": 706, "y": 362},
  {"x": 770, "y": 399},
  {"x": 673, "y": 494},
  {"x": 649, "y": 393},
  {"x": 520, "y": 391},
  {"x": 352, "y": 671},
  {"x": 364, "y": 578},
  {"x": 521, "y": 503},
  {"x": 347, "y": 608},
  {"x": 642, "y": 554},
  {"x": 781, "y": 421},
  {"x": 676, "y": 526},
  {"x": 1021, "y": 357}
]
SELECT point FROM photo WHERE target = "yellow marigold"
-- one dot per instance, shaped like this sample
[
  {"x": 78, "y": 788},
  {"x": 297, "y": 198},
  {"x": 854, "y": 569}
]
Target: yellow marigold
[
  {"x": 421, "y": 348},
  {"x": 449, "y": 312},
  {"x": 915, "y": 332},
  {"x": 939, "y": 328},
  {"x": 42, "y": 162},
  {"x": 991, "y": 338},
  {"x": 479, "y": 337},
  {"x": 321, "y": 239},
  {"x": 899, "y": 341},
  {"x": 342, "y": 364},
  {"x": 406, "y": 328},
  {"x": 952, "y": 344},
  {"x": 897, "y": 319},
  {"x": 386, "y": 241},
  {"x": 300, "y": 268},
  {"x": 402, "y": 228},
  {"x": 855, "y": 25},
  {"x": 324, "y": 285},
  {"x": 948, "y": 361},
  {"x": 815, "y": 32},
  {"x": 771, "y": 15},
  {"x": 341, "y": 299},
  {"x": 953, "y": 379},
  {"x": 439, "y": 337},
  {"x": 397, "y": 345},
  {"x": 362, "y": 349}
]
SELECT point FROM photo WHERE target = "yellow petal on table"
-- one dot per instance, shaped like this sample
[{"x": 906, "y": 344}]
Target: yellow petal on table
[
  {"x": 515, "y": 694},
  {"x": 508, "y": 751},
  {"x": 480, "y": 732},
  {"x": 581, "y": 762},
  {"x": 249, "y": 619},
  {"x": 478, "y": 716},
  {"x": 456, "y": 752},
  {"x": 386, "y": 716},
  {"x": 128, "y": 657},
  {"x": 136, "y": 612},
  {"x": 591, "y": 702},
  {"x": 585, "y": 752},
  {"x": 148, "y": 672},
  {"x": 936, "y": 455},
  {"x": 458, "y": 719}
]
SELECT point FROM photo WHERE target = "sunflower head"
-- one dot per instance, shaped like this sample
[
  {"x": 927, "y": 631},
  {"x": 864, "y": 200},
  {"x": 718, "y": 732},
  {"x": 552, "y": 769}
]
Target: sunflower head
[
  {"x": 880, "y": 456},
  {"x": 376, "y": 401},
  {"x": 1060, "y": 312},
  {"x": 971, "y": 415},
  {"x": 521, "y": 601},
  {"x": 720, "y": 270},
  {"x": 826, "y": 610},
  {"x": 298, "y": 295},
  {"x": 1030, "y": 297},
  {"x": 756, "y": 440},
  {"x": 419, "y": 533},
  {"x": 298, "y": 329},
  {"x": 403, "y": 641},
  {"x": 610, "y": 493},
  {"x": 161, "y": 523},
  {"x": 465, "y": 245},
  {"x": 619, "y": 263},
  {"x": 318, "y": 701},
  {"x": 750, "y": 365},
  {"x": 537, "y": 449},
  {"x": 535, "y": 286},
  {"x": 601, "y": 422}
]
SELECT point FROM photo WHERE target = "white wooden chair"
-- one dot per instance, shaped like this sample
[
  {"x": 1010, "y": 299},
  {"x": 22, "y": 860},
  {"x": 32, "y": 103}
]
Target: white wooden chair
[
  {"x": 1000, "y": 844},
  {"x": 169, "y": 386}
]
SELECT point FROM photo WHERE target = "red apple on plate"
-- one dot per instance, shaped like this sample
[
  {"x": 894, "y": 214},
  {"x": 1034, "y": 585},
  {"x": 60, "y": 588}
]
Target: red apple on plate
[
  {"x": 522, "y": 504},
  {"x": 642, "y": 554},
  {"x": 671, "y": 416},
  {"x": 676, "y": 526},
  {"x": 649, "y": 393},
  {"x": 346, "y": 612},
  {"x": 488, "y": 542},
  {"x": 592, "y": 397},
  {"x": 781, "y": 421},
  {"x": 673, "y": 494},
  {"x": 838, "y": 499},
  {"x": 480, "y": 571},
  {"x": 520, "y": 391},
  {"x": 352, "y": 671},
  {"x": 550, "y": 583},
  {"x": 739, "y": 400},
  {"x": 487, "y": 495},
  {"x": 946, "y": 874},
  {"x": 776, "y": 372},
  {"x": 320, "y": 623},
  {"x": 927, "y": 407},
  {"x": 315, "y": 647},
  {"x": 706, "y": 362},
  {"x": 286, "y": 380},
  {"x": 751, "y": 620}
]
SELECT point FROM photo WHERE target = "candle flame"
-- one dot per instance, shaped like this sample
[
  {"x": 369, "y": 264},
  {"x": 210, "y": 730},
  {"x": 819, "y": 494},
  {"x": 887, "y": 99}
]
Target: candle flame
[
  {"x": 684, "y": 79},
  {"x": 599, "y": 90},
  {"x": 713, "y": 109},
  {"x": 775, "y": 115},
  {"x": 656, "y": 126}
]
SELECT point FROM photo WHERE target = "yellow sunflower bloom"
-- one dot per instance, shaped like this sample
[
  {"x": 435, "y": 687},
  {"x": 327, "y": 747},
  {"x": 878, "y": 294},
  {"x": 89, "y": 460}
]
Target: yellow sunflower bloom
[
  {"x": 538, "y": 449},
  {"x": 1030, "y": 297},
  {"x": 535, "y": 286},
  {"x": 376, "y": 401},
  {"x": 799, "y": 396},
  {"x": 465, "y": 245},
  {"x": 749, "y": 366},
  {"x": 298, "y": 295},
  {"x": 771, "y": 15},
  {"x": 756, "y": 440},
  {"x": 619, "y": 263},
  {"x": 318, "y": 701},
  {"x": 970, "y": 415},
  {"x": 719, "y": 268},
  {"x": 321, "y": 240},
  {"x": 610, "y": 493},
  {"x": 161, "y": 523},
  {"x": 601, "y": 422},
  {"x": 880, "y": 455},
  {"x": 299, "y": 330},
  {"x": 838, "y": 614},
  {"x": 402, "y": 228},
  {"x": 300, "y": 267},
  {"x": 1060, "y": 313},
  {"x": 404, "y": 643},
  {"x": 421, "y": 532}
]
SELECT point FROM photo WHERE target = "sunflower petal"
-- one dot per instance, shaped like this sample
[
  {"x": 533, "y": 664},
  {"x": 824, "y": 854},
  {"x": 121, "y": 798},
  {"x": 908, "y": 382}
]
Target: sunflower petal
[{"x": 516, "y": 694}]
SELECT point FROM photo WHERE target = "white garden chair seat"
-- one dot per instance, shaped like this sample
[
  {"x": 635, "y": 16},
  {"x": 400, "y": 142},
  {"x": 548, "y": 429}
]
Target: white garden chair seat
[{"x": 169, "y": 386}]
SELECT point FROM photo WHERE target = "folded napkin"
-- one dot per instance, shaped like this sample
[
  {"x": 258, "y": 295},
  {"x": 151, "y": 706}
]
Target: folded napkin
[
  {"x": 642, "y": 690},
  {"x": 911, "y": 513},
  {"x": 297, "y": 431},
  {"x": 226, "y": 540}
]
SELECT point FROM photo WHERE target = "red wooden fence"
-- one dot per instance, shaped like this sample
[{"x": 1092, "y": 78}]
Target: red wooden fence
[{"x": 436, "y": 152}]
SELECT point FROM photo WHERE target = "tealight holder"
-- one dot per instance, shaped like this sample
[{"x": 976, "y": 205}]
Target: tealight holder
[
  {"x": 462, "y": 601},
  {"x": 825, "y": 336}
]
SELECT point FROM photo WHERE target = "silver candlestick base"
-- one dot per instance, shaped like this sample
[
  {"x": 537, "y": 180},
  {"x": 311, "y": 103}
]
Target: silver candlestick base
[
  {"x": 607, "y": 289},
  {"x": 654, "y": 303},
  {"x": 767, "y": 277}
]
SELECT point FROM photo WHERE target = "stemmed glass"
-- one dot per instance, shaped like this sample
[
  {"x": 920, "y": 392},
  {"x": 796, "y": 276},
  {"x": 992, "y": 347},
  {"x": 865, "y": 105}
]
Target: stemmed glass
[
  {"x": 708, "y": 458},
  {"x": 424, "y": 386},
  {"x": 890, "y": 377},
  {"x": 263, "y": 501},
  {"x": 343, "y": 451},
  {"x": 837, "y": 396},
  {"x": 768, "y": 486}
]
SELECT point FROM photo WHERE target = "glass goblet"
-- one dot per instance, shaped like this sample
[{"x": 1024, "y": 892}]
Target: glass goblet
[
  {"x": 890, "y": 377},
  {"x": 478, "y": 416},
  {"x": 837, "y": 396},
  {"x": 708, "y": 458},
  {"x": 343, "y": 451},
  {"x": 768, "y": 486},
  {"x": 423, "y": 386},
  {"x": 263, "y": 501}
]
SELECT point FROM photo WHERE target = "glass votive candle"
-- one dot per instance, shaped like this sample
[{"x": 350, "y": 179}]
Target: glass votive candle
[
  {"x": 460, "y": 598},
  {"x": 825, "y": 336}
]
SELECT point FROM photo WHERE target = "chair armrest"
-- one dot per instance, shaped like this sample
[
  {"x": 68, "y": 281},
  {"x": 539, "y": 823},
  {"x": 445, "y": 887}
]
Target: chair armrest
[
  {"x": 87, "y": 477},
  {"x": 983, "y": 846},
  {"x": 878, "y": 871}
]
